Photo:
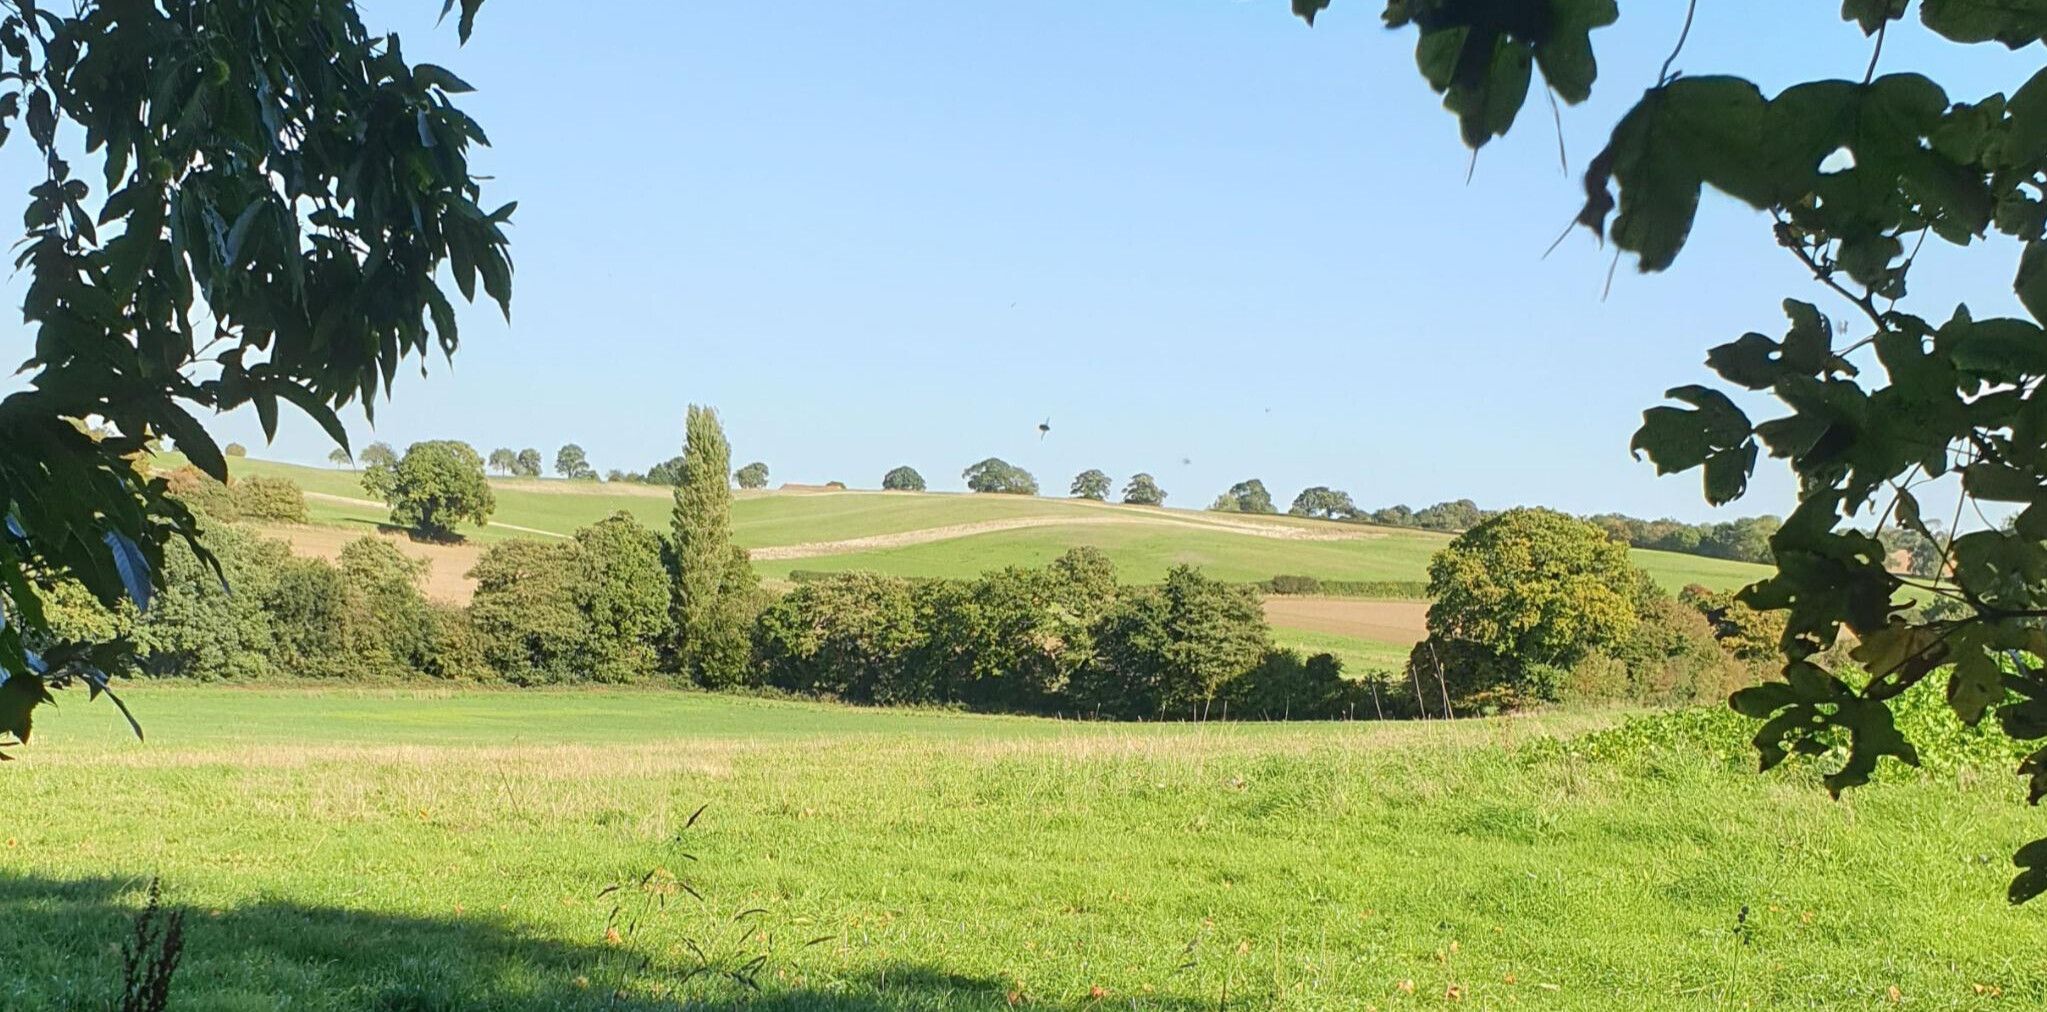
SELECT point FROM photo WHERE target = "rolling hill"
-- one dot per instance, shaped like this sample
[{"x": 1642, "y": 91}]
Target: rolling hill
[{"x": 962, "y": 535}]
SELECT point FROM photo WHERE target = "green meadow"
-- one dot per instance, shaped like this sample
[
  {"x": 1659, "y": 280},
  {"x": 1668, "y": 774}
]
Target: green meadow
[
  {"x": 536, "y": 850},
  {"x": 1143, "y": 542}
]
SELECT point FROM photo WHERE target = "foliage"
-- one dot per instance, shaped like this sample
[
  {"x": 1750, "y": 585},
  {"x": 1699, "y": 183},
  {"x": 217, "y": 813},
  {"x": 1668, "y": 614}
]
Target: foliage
[
  {"x": 1743, "y": 540},
  {"x": 667, "y": 472},
  {"x": 236, "y": 450},
  {"x": 194, "y": 627},
  {"x": 715, "y": 588},
  {"x": 1748, "y": 634},
  {"x": 527, "y": 464},
  {"x": 436, "y": 485},
  {"x": 526, "y": 612},
  {"x": 1090, "y": 484},
  {"x": 846, "y": 638},
  {"x": 1322, "y": 501},
  {"x": 282, "y": 191},
  {"x": 592, "y": 609},
  {"x": 1143, "y": 490},
  {"x": 377, "y": 454},
  {"x": 1535, "y": 585},
  {"x": 275, "y": 500},
  {"x": 1871, "y": 422},
  {"x": 903, "y": 479},
  {"x": 1168, "y": 651},
  {"x": 503, "y": 460},
  {"x": 1523, "y": 597},
  {"x": 1387, "y": 590},
  {"x": 753, "y": 476},
  {"x": 340, "y": 458},
  {"x": 1249, "y": 496},
  {"x": 572, "y": 463},
  {"x": 1000, "y": 476},
  {"x": 1293, "y": 585},
  {"x": 1286, "y": 686}
]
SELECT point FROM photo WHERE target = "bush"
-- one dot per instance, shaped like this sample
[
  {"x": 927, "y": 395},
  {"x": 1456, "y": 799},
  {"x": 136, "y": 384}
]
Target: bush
[
  {"x": 851, "y": 638},
  {"x": 593, "y": 609},
  {"x": 903, "y": 479},
  {"x": 1284, "y": 686},
  {"x": 1294, "y": 585},
  {"x": 277, "y": 500},
  {"x": 198, "y": 491},
  {"x": 1168, "y": 651}
]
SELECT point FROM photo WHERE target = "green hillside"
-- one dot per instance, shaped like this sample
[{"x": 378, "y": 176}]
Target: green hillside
[{"x": 1143, "y": 542}]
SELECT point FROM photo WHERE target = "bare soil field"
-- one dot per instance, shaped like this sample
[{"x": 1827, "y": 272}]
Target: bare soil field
[
  {"x": 1387, "y": 621},
  {"x": 447, "y": 574}
]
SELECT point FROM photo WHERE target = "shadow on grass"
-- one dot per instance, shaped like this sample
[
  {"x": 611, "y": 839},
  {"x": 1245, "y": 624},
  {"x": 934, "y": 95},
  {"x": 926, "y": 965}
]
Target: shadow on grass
[{"x": 60, "y": 948}]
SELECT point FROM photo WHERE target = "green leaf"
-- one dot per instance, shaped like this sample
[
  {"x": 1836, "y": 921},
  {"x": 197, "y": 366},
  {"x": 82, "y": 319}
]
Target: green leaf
[
  {"x": 2031, "y": 283},
  {"x": 2015, "y": 23},
  {"x": 1871, "y": 14},
  {"x": 20, "y": 694}
]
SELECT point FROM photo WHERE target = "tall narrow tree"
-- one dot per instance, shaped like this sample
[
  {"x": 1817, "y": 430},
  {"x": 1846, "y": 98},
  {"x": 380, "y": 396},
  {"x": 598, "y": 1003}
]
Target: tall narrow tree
[{"x": 715, "y": 586}]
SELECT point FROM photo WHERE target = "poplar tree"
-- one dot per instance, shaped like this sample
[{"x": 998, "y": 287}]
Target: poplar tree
[{"x": 715, "y": 586}]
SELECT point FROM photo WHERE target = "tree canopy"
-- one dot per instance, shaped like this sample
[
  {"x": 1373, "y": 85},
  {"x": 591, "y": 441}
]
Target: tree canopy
[
  {"x": 436, "y": 485},
  {"x": 903, "y": 479},
  {"x": 752, "y": 476},
  {"x": 714, "y": 583},
  {"x": 1143, "y": 490},
  {"x": 572, "y": 463},
  {"x": 1000, "y": 476},
  {"x": 1323, "y": 501},
  {"x": 1854, "y": 173},
  {"x": 527, "y": 464},
  {"x": 1249, "y": 496},
  {"x": 503, "y": 460},
  {"x": 1090, "y": 484},
  {"x": 279, "y": 192}
]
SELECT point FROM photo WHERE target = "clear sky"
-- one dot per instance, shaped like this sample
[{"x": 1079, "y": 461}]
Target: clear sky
[{"x": 1205, "y": 240}]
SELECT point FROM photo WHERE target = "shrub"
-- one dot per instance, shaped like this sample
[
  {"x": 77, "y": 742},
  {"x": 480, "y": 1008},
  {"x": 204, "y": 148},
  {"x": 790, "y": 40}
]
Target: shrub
[
  {"x": 199, "y": 491},
  {"x": 1169, "y": 650},
  {"x": 278, "y": 500},
  {"x": 850, "y": 637},
  {"x": 1284, "y": 686},
  {"x": 525, "y": 612},
  {"x": 194, "y": 627},
  {"x": 1294, "y": 585}
]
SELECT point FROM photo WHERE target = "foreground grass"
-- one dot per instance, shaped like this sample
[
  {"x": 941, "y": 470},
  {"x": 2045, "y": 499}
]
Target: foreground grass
[{"x": 395, "y": 851}]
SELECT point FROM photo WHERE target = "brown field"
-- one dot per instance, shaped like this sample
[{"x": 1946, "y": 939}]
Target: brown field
[
  {"x": 448, "y": 566},
  {"x": 1402, "y": 622}
]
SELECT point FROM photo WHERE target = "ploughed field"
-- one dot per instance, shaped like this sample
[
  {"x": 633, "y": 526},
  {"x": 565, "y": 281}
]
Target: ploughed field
[{"x": 441, "y": 850}]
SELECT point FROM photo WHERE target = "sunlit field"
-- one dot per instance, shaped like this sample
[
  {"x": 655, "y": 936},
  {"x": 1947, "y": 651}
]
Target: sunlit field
[{"x": 535, "y": 850}]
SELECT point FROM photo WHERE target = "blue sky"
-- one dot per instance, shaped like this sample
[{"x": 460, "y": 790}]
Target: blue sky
[{"x": 1206, "y": 240}]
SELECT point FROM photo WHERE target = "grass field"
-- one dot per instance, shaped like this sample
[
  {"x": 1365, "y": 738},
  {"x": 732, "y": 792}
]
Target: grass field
[
  {"x": 1143, "y": 542},
  {"x": 382, "y": 851}
]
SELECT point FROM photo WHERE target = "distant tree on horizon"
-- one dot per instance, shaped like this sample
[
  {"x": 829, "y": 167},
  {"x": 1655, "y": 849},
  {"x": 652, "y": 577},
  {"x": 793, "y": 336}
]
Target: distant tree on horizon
[
  {"x": 1323, "y": 502},
  {"x": 903, "y": 479},
  {"x": 528, "y": 464},
  {"x": 340, "y": 458},
  {"x": 667, "y": 472},
  {"x": 236, "y": 450},
  {"x": 1001, "y": 477},
  {"x": 752, "y": 476},
  {"x": 503, "y": 460},
  {"x": 1143, "y": 490},
  {"x": 1249, "y": 496},
  {"x": 1092, "y": 483},
  {"x": 377, "y": 453},
  {"x": 572, "y": 463}
]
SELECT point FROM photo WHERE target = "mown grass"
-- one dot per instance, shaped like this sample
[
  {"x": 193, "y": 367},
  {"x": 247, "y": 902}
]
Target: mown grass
[
  {"x": 1142, "y": 551},
  {"x": 403, "y": 851}
]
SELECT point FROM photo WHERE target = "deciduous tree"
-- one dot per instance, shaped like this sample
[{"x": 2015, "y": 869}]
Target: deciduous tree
[
  {"x": 1143, "y": 490},
  {"x": 528, "y": 463},
  {"x": 903, "y": 479},
  {"x": 752, "y": 476},
  {"x": 570, "y": 462},
  {"x": 1249, "y": 496},
  {"x": 1090, "y": 484},
  {"x": 1000, "y": 476},
  {"x": 503, "y": 460},
  {"x": 436, "y": 485}
]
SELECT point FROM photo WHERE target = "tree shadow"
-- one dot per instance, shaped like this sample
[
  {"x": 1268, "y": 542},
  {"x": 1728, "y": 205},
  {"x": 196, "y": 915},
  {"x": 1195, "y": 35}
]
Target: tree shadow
[{"x": 61, "y": 942}]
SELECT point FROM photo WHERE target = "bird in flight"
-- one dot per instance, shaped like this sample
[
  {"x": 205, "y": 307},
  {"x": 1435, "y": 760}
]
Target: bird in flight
[{"x": 1044, "y": 429}]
